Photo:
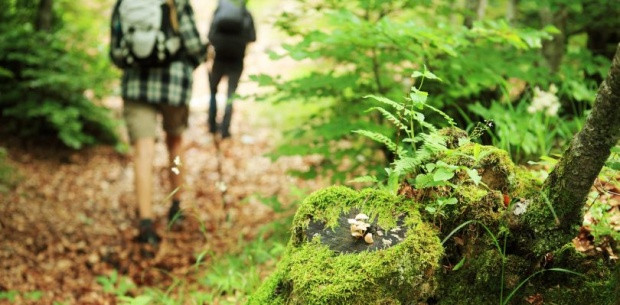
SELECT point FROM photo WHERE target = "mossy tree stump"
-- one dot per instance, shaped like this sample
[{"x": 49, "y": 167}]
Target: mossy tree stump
[
  {"x": 513, "y": 230},
  {"x": 495, "y": 252},
  {"x": 325, "y": 264}
]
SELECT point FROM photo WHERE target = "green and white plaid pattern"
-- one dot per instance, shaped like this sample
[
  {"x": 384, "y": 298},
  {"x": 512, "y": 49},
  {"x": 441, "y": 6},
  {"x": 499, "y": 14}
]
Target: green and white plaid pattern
[{"x": 170, "y": 85}]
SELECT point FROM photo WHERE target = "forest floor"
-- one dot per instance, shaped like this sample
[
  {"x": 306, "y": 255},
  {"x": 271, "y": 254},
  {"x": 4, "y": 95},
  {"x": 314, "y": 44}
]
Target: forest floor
[{"x": 72, "y": 217}]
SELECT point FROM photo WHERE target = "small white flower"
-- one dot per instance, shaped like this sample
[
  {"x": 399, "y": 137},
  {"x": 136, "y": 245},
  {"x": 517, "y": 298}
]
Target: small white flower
[
  {"x": 545, "y": 101},
  {"x": 221, "y": 185},
  {"x": 177, "y": 161},
  {"x": 175, "y": 170}
]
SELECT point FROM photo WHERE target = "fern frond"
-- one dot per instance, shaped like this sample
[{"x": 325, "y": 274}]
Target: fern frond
[
  {"x": 387, "y": 101},
  {"x": 391, "y": 117},
  {"x": 406, "y": 165},
  {"x": 377, "y": 137},
  {"x": 443, "y": 114},
  {"x": 434, "y": 142}
]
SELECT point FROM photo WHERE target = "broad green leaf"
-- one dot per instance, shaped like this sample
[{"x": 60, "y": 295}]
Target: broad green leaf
[
  {"x": 423, "y": 181},
  {"x": 417, "y": 74},
  {"x": 474, "y": 176},
  {"x": 5, "y": 73},
  {"x": 613, "y": 165},
  {"x": 430, "y": 75},
  {"x": 552, "y": 29},
  {"x": 443, "y": 174},
  {"x": 418, "y": 98},
  {"x": 450, "y": 201}
]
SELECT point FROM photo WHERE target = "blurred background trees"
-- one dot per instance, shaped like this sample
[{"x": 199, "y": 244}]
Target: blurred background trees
[
  {"x": 53, "y": 69},
  {"x": 532, "y": 67}
]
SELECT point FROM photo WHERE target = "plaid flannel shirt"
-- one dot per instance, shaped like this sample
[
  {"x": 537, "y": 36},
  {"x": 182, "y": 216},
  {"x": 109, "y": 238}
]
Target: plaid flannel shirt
[{"x": 170, "y": 85}]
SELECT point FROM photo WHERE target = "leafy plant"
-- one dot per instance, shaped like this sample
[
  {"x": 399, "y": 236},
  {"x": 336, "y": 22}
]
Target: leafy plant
[
  {"x": 49, "y": 80},
  {"x": 8, "y": 175},
  {"x": 115, "y": 284},
  {"x": 526, "y": 134},
  {"x": 364, "y": 48}
]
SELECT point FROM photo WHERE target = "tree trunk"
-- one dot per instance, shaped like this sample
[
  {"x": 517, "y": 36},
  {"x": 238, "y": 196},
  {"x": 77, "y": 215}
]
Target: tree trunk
[
  {"x": 511, "y": 10},
  {"x": 44, "y": 16},
  {"x": 554, "y": 50},
  {"x": 571, "y": 180},
  {"x": 476, "y": 10}
]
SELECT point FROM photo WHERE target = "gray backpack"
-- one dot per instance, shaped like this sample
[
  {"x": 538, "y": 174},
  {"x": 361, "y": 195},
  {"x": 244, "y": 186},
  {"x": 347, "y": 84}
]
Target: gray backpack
[{"x": 147, "y": 31}]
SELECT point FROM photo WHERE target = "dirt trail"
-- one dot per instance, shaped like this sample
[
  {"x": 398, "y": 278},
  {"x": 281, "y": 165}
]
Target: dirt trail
[{"x": 73, "y": 216}]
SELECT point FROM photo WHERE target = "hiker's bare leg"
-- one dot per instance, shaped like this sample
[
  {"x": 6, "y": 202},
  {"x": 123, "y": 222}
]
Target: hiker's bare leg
[
  {"x": 144, "y": 149},
  {"x": 175, "y": 148}
]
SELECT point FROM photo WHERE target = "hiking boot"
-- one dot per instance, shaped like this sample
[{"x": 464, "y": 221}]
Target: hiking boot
[
  {"x": 212, "y": 115},
  {"x": 226, "y": 121},
  {"x": 175, "y": 215},
  {"x": 147, "y": 233}
]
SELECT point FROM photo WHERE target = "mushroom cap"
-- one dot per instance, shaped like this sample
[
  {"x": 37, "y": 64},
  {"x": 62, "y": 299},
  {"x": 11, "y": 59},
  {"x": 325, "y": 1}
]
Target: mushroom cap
[{"x": 361, "y": 216}]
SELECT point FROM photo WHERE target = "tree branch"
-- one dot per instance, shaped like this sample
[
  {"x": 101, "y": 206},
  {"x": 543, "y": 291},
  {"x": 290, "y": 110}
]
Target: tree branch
[{"x": 569, "y": 183}]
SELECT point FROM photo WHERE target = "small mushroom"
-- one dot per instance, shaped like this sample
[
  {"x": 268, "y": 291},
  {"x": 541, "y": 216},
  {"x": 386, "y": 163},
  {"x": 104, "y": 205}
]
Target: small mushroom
[
  {"x": 368, "y": 238},
  {"x": 356, "y": 231},
  {"x": 387, "y": 242},
  {"x": 361, "y": 216}
]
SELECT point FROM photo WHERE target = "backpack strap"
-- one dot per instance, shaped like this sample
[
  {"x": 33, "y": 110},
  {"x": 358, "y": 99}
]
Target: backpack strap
[{"x": 174, "y": 16}]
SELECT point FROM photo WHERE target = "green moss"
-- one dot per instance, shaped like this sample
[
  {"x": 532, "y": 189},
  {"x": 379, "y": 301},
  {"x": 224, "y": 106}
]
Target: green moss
[
  {"x": 494, "y": 164},
  {"x": 453, "y": 135},
  {"x": 525, "y": 185},
  {"x": 478, "y": 282},
  {"x": 312, "y": 274},
  {"x": 597, "y": 286},
  {"x": 272, "y": 291},
  {"x": 476, "y": 203}
]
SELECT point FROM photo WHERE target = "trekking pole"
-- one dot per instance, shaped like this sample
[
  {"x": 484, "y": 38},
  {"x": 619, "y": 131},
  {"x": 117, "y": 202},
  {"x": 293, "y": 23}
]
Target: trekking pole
[{"x": 221, "y": 185}]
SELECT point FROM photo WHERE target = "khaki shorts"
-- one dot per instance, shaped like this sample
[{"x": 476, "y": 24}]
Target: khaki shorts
[{"x": 141, "y": 119}]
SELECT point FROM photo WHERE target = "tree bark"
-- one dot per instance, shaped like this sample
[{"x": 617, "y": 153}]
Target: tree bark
[
  {"x": 569, "y": 183},
  {"x": 554, "y": 49},
  {"x": 44, "y": 16},
  {"x": 511, "y": 10},
  {"x": 476, "y": 10}
]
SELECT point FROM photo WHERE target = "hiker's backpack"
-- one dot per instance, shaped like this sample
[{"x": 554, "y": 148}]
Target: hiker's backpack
[
  {"x": 231, "y": 28},
  {"x": 147, "y": 33},
  {"x": 229, "y": 17}
]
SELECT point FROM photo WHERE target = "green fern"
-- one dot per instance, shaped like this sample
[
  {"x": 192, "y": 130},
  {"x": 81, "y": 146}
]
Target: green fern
[
  {"x": 377, "y": 137},
  {"x": 387, "y": 101},
  {"x": 390, "y": 117}
]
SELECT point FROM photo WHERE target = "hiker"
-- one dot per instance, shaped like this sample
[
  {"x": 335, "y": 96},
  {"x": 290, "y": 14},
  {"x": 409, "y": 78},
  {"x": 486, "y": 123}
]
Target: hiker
[
  {"x": 157, "y": 45},
  {"x": 231, "y": 30}
]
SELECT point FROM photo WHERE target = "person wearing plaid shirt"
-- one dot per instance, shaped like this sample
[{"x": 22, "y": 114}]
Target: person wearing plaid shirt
[{"x": 148, "y": 92}]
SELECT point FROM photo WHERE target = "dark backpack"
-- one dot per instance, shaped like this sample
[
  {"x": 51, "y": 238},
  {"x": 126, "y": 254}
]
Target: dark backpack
[
  {"x": 229, "y": 17},
  {"x": 146, "y": 33},
  {"x": 230, "y": 29}
]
